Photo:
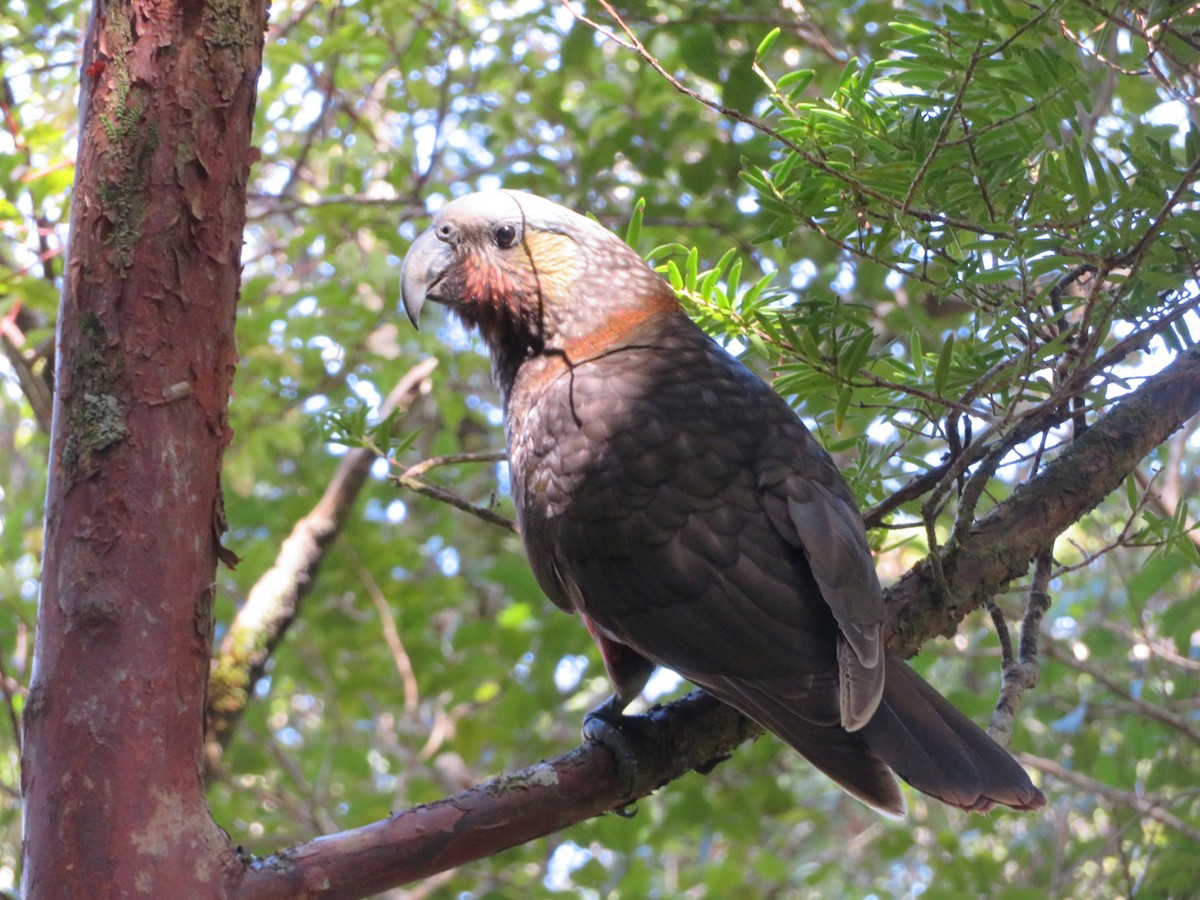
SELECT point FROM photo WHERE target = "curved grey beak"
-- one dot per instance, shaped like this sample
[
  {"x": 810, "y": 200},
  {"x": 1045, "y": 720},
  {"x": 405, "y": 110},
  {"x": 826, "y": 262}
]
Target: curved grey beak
[{"x": 426, "y": 262}]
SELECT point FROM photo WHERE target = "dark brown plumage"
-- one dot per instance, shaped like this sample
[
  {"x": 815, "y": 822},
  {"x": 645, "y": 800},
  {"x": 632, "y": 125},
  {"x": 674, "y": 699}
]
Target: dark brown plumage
[{"x": 672, "y": 499}]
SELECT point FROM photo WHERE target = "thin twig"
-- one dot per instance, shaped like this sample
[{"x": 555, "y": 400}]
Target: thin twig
[
  {"x": 1144, "y": 708},
  {"x": 1163, "y": 649},
  {"x": 1021, "y": 672},
  {"x": 1134, "y": 257},
  {"x": 391, "y": 634},
  {"x": 947, "y": 120},
  {"x": 1145, "y": 806},
  {"x": 416, "y": 470},
  {"x": 412, "y": 479},
  {"x": 425, "y": 489}
]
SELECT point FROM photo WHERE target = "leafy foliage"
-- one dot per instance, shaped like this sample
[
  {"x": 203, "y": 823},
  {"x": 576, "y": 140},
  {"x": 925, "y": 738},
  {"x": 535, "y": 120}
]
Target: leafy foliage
[{"x": 951, "y": 234}]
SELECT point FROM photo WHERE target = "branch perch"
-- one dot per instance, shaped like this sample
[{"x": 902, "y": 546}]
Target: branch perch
[{"x": 695, "y": 732}]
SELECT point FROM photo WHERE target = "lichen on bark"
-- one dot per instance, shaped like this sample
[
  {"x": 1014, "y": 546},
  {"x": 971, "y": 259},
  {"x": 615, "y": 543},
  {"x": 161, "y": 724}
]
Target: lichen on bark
[
  {"x": 95, "y": 415},
  {"x": 122, "y": 189}
]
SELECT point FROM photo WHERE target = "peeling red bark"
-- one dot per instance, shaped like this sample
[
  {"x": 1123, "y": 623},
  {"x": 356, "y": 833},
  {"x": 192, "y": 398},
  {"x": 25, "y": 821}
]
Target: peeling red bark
[{"x": 113, "y": 726}]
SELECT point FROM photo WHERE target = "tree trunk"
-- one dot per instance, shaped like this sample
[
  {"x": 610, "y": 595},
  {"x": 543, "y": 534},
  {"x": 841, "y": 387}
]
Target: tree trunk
[{"x": 113, "y": 727}]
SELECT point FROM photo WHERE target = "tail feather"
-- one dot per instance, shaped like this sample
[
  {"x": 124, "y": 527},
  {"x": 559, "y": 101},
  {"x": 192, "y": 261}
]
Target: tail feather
[
  {"x": 916, "y": 733},
  {"x": 941, "y": 752},
  {"x": 842, "y": 755}
]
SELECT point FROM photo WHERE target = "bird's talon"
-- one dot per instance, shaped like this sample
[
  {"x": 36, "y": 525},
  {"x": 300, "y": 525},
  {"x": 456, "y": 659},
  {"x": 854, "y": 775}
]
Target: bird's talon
[
  {"x": 627, "y": 810},
  {"x": 599, "y": 729}
]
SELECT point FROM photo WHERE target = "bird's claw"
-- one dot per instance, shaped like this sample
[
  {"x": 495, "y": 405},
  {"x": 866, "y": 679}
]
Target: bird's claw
[{"x": 604, "y": 727}]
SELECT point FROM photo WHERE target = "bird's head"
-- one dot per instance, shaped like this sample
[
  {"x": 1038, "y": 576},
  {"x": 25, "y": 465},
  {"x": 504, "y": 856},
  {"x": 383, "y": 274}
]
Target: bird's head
[{"x": 531, "y": 275}]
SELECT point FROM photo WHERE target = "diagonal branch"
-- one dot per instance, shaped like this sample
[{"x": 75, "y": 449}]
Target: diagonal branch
[
  {"x": 697, "y": 732},
  {"x": 413, "y": 479},
  {"x": 1146, "y": 807},
  {"x": 1173, "y": 720},
  {"x": 1000, "y": 546},
  {"x": 273, "y": 602}
]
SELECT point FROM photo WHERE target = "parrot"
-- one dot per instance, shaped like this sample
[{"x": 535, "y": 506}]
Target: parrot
[{"x": 678, "y": 504}]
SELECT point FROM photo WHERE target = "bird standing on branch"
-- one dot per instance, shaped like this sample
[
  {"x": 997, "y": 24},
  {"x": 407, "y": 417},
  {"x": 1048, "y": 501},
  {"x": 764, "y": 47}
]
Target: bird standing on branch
[{"x": 675, "y": 502}]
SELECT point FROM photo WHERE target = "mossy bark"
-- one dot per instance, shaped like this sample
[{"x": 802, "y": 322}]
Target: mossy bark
[{"x": 114, "y": 723}]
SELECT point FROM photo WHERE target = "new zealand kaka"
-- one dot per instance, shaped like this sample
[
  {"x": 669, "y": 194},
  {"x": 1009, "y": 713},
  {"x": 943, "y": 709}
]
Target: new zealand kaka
[{"x": 678, "y": 504}]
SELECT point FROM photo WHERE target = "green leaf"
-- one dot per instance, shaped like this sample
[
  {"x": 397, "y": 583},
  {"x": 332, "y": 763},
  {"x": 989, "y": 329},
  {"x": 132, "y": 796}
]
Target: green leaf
[
  {"x": 998, "y": 274},
  {"x": 847, "y": 73},
  {"x": 765, "y": 45},
  {"x": 794, "y": 82},
  {"x": 942, "y": 374},
  {"x": 674, "y": 276},
  {"x": 916, "y": 354},
  {"x": 633, "y": 232},
  {"x": 1154, "y": 575},
  {"x": 914, "y": 29},
  {"x": 1073, "y": 157},
  {"x": 854, "y": 355},
  {"x": 845, "y": 395},
  {"x": 1191, "y": 143}
]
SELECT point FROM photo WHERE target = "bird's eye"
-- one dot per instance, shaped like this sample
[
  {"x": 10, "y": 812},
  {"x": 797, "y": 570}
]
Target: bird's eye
[{"x": 506, "y": 236}]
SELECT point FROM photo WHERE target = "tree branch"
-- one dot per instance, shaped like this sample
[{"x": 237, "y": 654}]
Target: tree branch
[
  {"x": 1000, "y": 546},
  {"x": 413, "y": 479},
  {"x": 1179, "y": 723},
  {"x": 37, "y": 387},
  {"x": 694, "y": 733},
  {"x": 273, "y": 602},
  {"x": 1020, "y": 671}
]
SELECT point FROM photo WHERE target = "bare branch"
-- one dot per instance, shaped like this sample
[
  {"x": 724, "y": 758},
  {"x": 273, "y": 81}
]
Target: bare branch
[
  {"x": 391, "y": 634},
  {"x": 273, "y": 602},
  {"x": 36, "y": 387},
  {"x": 417, "y": 470},
  {"x": 411, "y": 478},
  {"x": 1142, "y": 707},
  {"x": 1163, "y": 649}
]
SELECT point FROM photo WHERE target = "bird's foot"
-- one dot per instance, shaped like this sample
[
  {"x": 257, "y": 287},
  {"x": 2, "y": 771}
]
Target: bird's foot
[{"x": 607, "y": 726}]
